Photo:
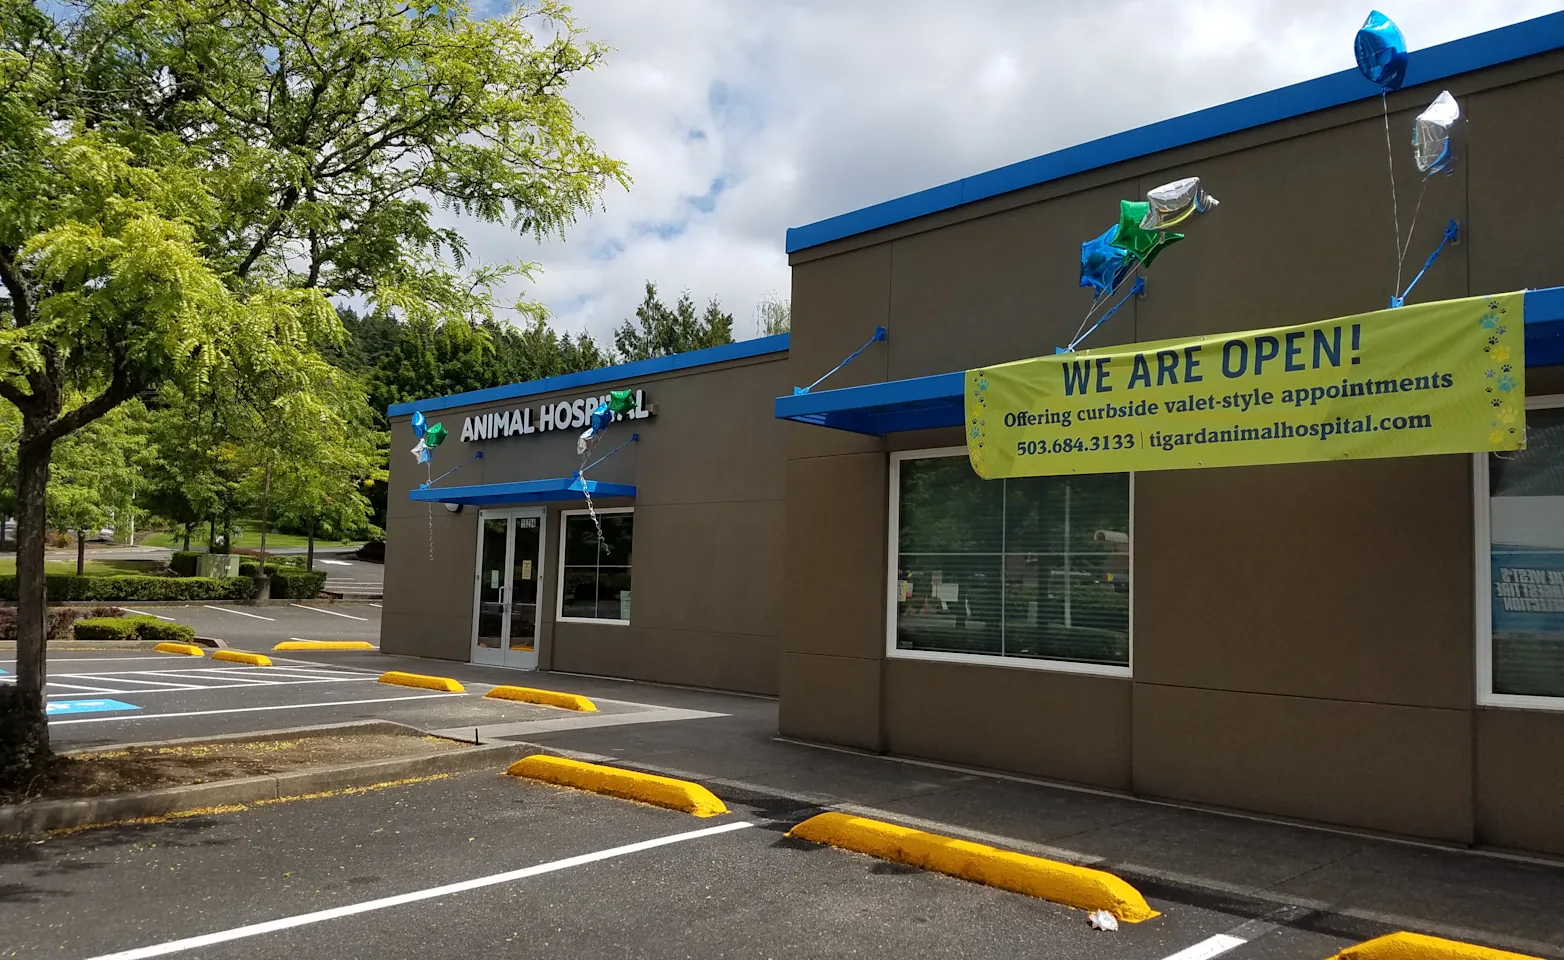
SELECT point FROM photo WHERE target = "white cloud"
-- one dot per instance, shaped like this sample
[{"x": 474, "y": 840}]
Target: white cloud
[{"x": 740, "y": 119}]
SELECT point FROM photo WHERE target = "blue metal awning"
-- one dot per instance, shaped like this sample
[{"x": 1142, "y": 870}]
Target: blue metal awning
[
  {"x": 523, "y": 491},
  {"x": 924, "y": 403}
]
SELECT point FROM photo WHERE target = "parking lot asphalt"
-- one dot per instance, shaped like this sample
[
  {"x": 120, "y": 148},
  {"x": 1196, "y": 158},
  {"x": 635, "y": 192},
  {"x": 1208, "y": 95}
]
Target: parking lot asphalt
[
  {"x": 539, "y": 870},
  {"x": 100, "y": 697},
  {"x": 359, "y": 876},
  {"x": 350, "y": 576},
  {"x": 259, "y": 627}
]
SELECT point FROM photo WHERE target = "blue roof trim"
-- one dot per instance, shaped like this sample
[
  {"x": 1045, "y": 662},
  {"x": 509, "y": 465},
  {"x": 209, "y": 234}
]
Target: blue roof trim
[
  {"x": 1476, "y": 52},
  {"x": 925, "y": 403},
  {"x": 524, "y": 491},
  {"x": 742, "y": 350}
]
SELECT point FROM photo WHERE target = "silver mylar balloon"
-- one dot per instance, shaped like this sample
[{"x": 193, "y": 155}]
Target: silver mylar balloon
[
  {"x": 1432, "y": 132},
  {"x": 1173, "y": 203}
]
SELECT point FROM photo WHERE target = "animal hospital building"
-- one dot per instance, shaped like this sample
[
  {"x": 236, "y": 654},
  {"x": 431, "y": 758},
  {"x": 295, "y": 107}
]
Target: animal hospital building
[{"x": 1371, "y": 641}]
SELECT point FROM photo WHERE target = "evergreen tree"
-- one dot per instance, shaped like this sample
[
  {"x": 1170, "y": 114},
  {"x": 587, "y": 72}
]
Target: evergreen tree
[{"x": 659, "y": 331}]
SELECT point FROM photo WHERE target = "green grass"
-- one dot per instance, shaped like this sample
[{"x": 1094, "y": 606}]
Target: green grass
[
  {"x": 251, "y": 538},
  {"x": 91, "y": 568}
]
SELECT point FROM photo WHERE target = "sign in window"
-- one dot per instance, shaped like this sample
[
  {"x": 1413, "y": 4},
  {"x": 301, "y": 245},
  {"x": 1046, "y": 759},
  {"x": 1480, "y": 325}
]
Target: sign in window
[{"x": 1526, "y": 557}]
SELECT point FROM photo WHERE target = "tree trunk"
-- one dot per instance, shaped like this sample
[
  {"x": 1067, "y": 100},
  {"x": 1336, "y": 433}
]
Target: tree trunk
[
  {"x": 309, "y": 552},
  {"x": 81, "y": 551},
  {"x": 24, "y": 728},
  {"x": 228, "y": 531},
  {"x": 187, "y": 538},
  {"x": 211, "y": 533}
]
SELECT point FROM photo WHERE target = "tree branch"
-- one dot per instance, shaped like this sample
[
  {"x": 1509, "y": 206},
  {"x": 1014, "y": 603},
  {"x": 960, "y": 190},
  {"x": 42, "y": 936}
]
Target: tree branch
[
  {"x": 119, "y": 391},
  {"x": 10, "y": 392},
  {"x": 21, "y": 305}
]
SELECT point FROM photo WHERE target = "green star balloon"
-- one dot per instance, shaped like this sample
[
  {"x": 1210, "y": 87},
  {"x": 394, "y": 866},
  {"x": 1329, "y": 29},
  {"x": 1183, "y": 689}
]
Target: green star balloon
[
  {"x": 621, "y": 401},
  {"x": 1142, "y": 244},
  {"x": 435, "y": 435}
]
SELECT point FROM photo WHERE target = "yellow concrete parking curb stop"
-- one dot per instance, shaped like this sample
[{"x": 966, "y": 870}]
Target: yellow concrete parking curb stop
[
  {"x": 1062, "y": 883},
  {"x": 324, "y": 645},
  {"x": 183, "y": 649},
  {"x": 625, "y": 784},
  {"x": 1415, "y": 946},
  {"x": 419, "y": 680},
  {"x": 550, "y": 698},
  {"x": 239, "y": 656}
]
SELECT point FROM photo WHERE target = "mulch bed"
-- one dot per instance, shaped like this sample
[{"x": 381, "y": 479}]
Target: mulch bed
[{"x": 150, "y": 768}]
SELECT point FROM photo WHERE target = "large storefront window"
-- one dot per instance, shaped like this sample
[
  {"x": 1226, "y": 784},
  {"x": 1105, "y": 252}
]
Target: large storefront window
[
  {"x": 1033, "y": 571},
  {"x": 1526, "y": 563},
  {"x": 594, "y": 575}
]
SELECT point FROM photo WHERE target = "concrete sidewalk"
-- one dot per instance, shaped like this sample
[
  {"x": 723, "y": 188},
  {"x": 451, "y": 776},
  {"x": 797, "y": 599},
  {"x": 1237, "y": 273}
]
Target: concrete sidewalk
[{"x": 1348, "y": 884}]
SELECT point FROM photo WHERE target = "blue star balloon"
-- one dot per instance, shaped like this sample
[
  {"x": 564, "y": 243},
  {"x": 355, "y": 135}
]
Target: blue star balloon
[
  {"x": 1381, "y": 51},
  {"x": 419, "y": 423},
  {"x": 1102, "y": 264}
]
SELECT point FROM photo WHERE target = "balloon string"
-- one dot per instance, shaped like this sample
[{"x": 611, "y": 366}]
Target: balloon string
[
  {"x": 1401, "y": 252},
  {"x": 429, "y": 511},
  {"x": 581, "y": 474},
  {"x": 1109, "y": 296},
  {"x": 1390, "y": 157}
]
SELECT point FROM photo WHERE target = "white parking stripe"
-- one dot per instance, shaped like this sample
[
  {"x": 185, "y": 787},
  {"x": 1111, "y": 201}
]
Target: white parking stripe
[
  {"x": 1206, "y": 949},
  {"x": 76, "y": 688},
  {"x": 282, "y": 706},
  {"x": 143, "y": 613},
  {"x": 375, "y": 605},
  {"x": 123, "y": 678},
  {"x": 253, "y": 616},
  {"x": 352, "y": 909},
  {"x": 332, "y": 612}
]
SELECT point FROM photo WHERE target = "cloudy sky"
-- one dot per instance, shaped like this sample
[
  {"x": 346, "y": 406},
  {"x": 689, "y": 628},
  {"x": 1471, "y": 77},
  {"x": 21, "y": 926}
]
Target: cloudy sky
[{"x": 741, "y": 118}]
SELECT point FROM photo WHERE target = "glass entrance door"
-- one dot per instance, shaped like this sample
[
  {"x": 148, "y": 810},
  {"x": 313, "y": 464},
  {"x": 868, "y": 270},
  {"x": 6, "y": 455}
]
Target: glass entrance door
[{"x": 505, "y": 614}]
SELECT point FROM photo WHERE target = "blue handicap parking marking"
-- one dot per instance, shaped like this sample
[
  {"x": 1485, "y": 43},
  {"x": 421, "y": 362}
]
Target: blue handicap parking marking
[{"x": 55, "y": 708}]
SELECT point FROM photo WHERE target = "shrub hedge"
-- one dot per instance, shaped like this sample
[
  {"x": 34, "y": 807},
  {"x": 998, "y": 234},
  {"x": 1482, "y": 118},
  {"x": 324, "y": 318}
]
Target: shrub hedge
[
  {"x": 183, "y": 563},
  {"x": 290, "y": 584},
  {"x": 133, "y": 628},
  {"x": 69, "y": 587},
  {"x": 57, "y": 621}
]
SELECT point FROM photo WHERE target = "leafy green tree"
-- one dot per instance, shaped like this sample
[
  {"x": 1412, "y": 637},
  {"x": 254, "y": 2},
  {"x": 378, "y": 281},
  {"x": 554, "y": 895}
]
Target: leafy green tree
[
  {"x": 324, "y": 488},
  {"x": 95, "y": 472},
  {"x": 773, "y": 315},
  {"x": 659, "y": 331},
  {"x": 309, "y": 447},
  {"x": 186, "y": 181},
  {"x": 188, "y": 479}
]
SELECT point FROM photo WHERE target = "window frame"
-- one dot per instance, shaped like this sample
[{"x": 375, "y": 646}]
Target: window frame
[
  {"x": 892, "y": 554},
  {"x": 559, "y": 593},
  {"x": 1482, "y": 528}
]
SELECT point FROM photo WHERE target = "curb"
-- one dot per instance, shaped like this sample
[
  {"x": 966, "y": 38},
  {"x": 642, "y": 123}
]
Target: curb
[
  {"x": 549, "y": 698},
  {"x": 40, "y": 817},
  {"x": 658, "y": 791},
  {"x": 184, "y": 649},
  {"x": 419, "y": 680},
  {"x": 324, "y": 645},
  {"x": 1415, "y": 946},
  {"x": 239, "y": 656},
  {"x": 1051, "y": 880}
]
